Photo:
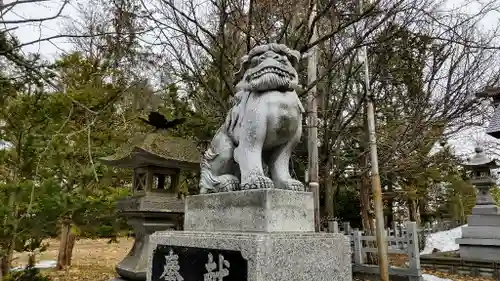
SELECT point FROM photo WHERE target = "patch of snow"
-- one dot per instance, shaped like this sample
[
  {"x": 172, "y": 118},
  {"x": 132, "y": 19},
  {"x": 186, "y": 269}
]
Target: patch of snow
[
  {"x": 443, "y": 240},
  {"x": 428, "y": 277},
  {"x": 40, "y": 265}
]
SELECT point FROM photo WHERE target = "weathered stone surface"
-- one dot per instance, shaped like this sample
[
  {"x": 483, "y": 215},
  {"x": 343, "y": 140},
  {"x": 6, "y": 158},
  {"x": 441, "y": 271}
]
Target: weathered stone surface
[
  {"x": 134, "y": 265},
  {"x": 476, "y": 252},
  {"x": 485, "y": 210},
  {"x": 483, "y": 220},
  {"x": 260, "y": 210},
  {"x": 478, "y": 241},
  {"x": 151, "y": 202},
  {"x": 263, "y": 126},
  {"x": 158, "y": 148},
  {"x": 271, "y": 256},
  {"x": 489, "y": 232}
]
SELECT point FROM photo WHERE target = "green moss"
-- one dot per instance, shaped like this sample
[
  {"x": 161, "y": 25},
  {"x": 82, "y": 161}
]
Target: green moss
[{"x": 162, "y": 145}]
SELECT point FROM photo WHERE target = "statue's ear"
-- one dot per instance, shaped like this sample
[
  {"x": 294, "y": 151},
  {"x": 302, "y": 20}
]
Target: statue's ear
[
  {"x": 294, "y": 58},
  {"x": 244, "y": 61}
]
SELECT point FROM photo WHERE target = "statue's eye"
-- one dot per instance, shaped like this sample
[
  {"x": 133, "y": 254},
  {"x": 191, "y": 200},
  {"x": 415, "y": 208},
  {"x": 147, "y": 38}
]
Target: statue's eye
[{"x": 255, "y": 61}]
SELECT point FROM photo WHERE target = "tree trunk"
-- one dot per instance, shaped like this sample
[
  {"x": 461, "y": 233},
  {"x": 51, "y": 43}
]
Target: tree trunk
[
  {"x": 5, "y": 266},
  {"x": 365, "y": 206},
  {"x": 390, "y": 203},
  {"x": 66, "y": 246},
  {"x": 31, "y": 259},
  {"x": 6, "y": 259},
  {"x": 330, "y": 188},
  {"x": 366, "y": 216},
  {"x": 413, "y": 210}
]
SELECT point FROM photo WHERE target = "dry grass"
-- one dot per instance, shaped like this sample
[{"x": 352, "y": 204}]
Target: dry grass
[{"x": 93, "y": 260}]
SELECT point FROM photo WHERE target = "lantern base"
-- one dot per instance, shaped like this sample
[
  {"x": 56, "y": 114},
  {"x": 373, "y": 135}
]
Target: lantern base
[
  {"x": 486, "y": 210},
  {"x": 481, "y": 238},
  {"x": 479, "y": 249}
]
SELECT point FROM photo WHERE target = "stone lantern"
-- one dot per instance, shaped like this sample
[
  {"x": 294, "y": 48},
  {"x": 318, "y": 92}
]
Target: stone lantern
[
  {"x": 157, "y": 161},
  {"x": 481, "y": 238}
]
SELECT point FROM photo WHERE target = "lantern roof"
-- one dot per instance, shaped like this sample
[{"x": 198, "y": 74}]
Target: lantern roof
[
  {"x": 480, "y": 159},
  {"x": 156, "y": 149}
]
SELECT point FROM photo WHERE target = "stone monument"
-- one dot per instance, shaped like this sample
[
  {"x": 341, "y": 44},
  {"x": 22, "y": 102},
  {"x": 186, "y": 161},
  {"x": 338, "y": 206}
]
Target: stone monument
[
  {"x": 249, "y": 224},
  {"x": 157, "y": 160},
  {"x": 481, "y": 238}
]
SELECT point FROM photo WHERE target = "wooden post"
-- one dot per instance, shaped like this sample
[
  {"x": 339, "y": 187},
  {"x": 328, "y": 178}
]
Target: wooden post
[
  {"x": 347, "y": 228},
  {"x": 412, "y": 246},
  {"x": 149, "y": 180},
  {"x": 333, "y": 226},
  {"x": 135, "y": 180},
  {"x": 383, "y": 260},
  {"x": 358, "y": 247},
  {"x": 312, "y": 123},
  {"x": 175, "y": 182}
]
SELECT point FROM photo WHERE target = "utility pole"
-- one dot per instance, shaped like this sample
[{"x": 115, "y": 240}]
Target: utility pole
[
  {"x": 375, "y": 177},
  {"x": 312, "y": 122}
]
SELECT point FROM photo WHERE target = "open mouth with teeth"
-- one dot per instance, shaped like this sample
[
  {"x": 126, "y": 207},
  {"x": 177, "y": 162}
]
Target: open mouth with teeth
[{"x": 272, "y": 70}]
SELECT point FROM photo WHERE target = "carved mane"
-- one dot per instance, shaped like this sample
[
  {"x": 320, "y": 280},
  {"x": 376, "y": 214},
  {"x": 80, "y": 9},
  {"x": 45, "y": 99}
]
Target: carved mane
[{"x": 292, "y": 55}]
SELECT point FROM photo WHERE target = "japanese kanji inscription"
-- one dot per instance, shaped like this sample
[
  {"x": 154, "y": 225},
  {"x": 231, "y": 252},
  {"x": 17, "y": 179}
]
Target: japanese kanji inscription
[{"x": 176, "y": 263}]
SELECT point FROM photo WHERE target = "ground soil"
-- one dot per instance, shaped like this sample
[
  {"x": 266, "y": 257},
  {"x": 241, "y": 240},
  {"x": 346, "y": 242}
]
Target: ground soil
[{"x": 94, "y": 260}]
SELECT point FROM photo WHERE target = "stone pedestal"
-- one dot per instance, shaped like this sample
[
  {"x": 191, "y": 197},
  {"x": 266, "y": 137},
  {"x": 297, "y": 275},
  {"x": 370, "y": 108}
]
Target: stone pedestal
[
  {"x": 255, "y": 235},
  {"x": 481, "y": 238},
  {"x": 262, "y": 210},
  {"x": 145, "y": 214}
]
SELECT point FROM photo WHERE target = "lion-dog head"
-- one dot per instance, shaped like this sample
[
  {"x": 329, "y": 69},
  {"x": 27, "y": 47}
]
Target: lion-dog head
[{"x": 269, "y": 67}]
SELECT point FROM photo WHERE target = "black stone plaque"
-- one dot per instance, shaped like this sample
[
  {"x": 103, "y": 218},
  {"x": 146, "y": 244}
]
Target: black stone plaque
[{"x": 176, "y": 263}]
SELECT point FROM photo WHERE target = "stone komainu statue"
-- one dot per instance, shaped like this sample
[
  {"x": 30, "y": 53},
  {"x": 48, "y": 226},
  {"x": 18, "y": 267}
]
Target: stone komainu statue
[{"x": 262, "y": 128}]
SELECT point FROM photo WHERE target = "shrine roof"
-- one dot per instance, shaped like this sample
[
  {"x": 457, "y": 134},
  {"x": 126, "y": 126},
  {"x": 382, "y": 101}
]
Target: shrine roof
[
  {"x": 156, "y": 149},
  {"x": 494, "y": 126}
]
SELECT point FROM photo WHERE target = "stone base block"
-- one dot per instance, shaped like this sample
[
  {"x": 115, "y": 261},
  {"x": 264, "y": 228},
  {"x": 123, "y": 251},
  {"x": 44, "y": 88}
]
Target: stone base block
[
  {"x": 481, "y": 232},
  {"x": 195, "y": 256},
  {"x": 486, "y": 210},
  {"x": 258, "y": 210},
  {"x": 480, "y": 252},
  {"x": 483, "y": 220}
]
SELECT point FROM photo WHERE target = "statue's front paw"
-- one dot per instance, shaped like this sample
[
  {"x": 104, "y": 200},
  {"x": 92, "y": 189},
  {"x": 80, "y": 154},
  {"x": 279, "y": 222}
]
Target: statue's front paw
[
  {"x": 222, "y": 183},
  {"x": 257, "y": 182},
  {"x": 227, "y": 183},
  {"x": 294, "y": 185}
]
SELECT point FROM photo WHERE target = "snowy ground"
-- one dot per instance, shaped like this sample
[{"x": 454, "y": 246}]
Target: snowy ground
[
  {"x": 443, "y": 241},
  {"x": 428, "y": 277},
  {"x": 41, "y": 265}
]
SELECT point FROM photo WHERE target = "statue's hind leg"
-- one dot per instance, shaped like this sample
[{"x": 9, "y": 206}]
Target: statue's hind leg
[
  {"x": 279, "y": 165},
  {"x": 218, "y": 166}
]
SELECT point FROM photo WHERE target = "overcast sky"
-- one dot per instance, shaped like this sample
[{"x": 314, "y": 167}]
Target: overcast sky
[{"x": 30, "y": 32}]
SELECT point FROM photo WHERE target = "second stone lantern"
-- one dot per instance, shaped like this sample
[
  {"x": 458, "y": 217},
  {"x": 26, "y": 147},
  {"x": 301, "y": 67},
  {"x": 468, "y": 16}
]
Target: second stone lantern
[{"x": 481, "y": 238}]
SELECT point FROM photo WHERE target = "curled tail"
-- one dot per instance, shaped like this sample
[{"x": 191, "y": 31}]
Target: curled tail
[
  {"x": 208, "y": 180},
  {"x": 217, "y": 165}
]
